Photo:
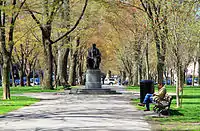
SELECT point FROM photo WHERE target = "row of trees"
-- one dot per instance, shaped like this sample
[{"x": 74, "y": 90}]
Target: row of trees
[
  {"x": 43, "y": 13},
  {"x": 161, "y": 38},
  {"x": 140, "y": 39},
  {"x": 158, "y": 38}
]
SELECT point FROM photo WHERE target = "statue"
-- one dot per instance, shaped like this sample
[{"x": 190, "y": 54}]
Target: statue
[{"x": 93, "y": 58}]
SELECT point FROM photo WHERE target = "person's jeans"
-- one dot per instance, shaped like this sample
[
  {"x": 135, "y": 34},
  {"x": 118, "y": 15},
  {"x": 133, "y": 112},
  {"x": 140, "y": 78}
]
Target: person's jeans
[{"x": 148, "y": 99}]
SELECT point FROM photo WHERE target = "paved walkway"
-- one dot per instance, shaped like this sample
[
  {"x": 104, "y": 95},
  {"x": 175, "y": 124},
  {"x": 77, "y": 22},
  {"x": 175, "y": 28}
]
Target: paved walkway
[{"x": 64, "y": 112}]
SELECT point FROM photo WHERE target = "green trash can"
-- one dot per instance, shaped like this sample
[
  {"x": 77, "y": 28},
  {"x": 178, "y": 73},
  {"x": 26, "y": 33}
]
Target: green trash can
[{"x": 146, "y": 86}]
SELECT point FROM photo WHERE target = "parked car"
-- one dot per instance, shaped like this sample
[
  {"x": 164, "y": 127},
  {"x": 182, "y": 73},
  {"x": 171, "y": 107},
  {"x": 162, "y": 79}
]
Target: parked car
[
  {"x": 168, "y": 82},
  {"x": 189, "y": 81},
  {"x": 110, "y": 81},
  {"x": 196, "y": 80},
  {"x": 36, "y": 81}
]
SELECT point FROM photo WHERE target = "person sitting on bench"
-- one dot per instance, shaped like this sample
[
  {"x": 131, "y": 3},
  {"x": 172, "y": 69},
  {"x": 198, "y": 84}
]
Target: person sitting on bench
[{"x": 149, "y": 98}]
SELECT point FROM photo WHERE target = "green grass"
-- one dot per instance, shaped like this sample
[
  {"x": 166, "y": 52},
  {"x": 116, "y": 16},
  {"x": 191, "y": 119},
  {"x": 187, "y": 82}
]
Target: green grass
[
  {"x": 31, "y": 89},
  {"x": 17, "y": 102},
  {"x": 188, "y": 116}
]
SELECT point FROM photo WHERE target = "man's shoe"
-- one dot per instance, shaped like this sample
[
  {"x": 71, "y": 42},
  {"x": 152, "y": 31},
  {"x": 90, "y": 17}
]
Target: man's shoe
[
  {"x": 141, "y": 104},
  {"x": 147, "y": 110}
]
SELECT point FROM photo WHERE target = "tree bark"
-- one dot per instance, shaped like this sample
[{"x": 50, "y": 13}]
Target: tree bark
[
  {"x": 181, "y": 83},
  {"x": 21, "y": 75},
  {"x": 177, "y": 88},
  {"x": 130, "y": 79},
  {"x": 80, "y": 66},
  {"x": 171, "y": 78},
  {"x": 199, "y": 71},
  {"x": 74, "y": 56},
  {"x": 178, "y": 78},
  {"x": 147, "y": 60},
  {"x": 33, "y": 77},
  {"x": 6, "y": 77},
  {"x": 1, "y": 70},
  {"x": 55, "y": 73},
  {"x": 63, "y": 54},
  {"x": 193, "y": 74},
  {"x": 12, "y": 74},
  {"x": 123, "y": 76},
  {"x": 47, "y": 81},
  {"x": 6, "y": 55},
  {"x": 160, "y": 59},
  {"x": 140, "y": 71},
  {"x": 136, "y": 74},
  {"x": 28, "y": 83}
]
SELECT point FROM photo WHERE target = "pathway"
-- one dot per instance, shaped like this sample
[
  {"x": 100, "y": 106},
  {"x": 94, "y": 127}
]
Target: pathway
[{"x": 64, "y": 112}]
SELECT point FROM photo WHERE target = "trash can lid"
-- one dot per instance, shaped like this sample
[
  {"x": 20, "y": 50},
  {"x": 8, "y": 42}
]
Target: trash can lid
[{"x": 146, "y": 81}]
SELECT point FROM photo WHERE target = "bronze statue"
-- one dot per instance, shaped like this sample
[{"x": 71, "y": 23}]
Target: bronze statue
[{"x": 93, "y": 58}]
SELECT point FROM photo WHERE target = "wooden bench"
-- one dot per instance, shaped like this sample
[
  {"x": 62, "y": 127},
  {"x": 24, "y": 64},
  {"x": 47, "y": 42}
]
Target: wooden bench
[{"x": 163, "y": 105}]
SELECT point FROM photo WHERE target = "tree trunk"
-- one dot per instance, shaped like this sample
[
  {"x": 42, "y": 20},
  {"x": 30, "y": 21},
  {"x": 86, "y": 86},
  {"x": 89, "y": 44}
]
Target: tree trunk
[
  {"x": 80, "y": 65},
  {"x": 109, "y": 74},
  {"x": 178, "y": 72},
  {"x": 63, "y": 54},
  {"x": 199, "y": 71},
  {"x": 136, "y": 73},
  {"x": 130, "y": 79},
  {"x": 193, "y": 74},
  {"x": 181, "y": 83},
  {"x": 74, "y": 56},
  {"x": 6, "y": 77},
  {"x": 41, "y": 75},
  {"x": 171, "y": 78},
  {"x": 80, "y": 69},
  {"x": 160, "y": 72},
  {"x": 33, "y": 77},
  {"x": 140, "y": 72},
  {"x": 12, "y": 74},
  {"x": 47, "y": 81},
  {"x": 1, "y": 70},
  {"x": 28, "y": 83},
  {"x": 177, "y": 89},
  {"x": 160, "y": 58},
  {"x": 185, "y": 74},
  {"x": 123, "y": 75},
  {"x": 72, "y": 73},
  {"x": 21, "y": 75},
  {"x": 55, "y": 73},
  {"x": 147, "y": 61}
]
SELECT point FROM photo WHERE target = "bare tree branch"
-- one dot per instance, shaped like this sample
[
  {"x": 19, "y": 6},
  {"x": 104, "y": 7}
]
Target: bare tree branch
[
  {"x": 74, "y": 27},
  {"x": 54, "y": 10}
]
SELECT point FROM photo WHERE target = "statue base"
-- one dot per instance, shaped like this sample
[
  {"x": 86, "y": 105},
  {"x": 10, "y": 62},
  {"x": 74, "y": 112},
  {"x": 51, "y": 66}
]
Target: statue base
[
  {"x": 93, "y": 79},
  {"x": 97, "y": 91},
  {"x": 93, "y": 85}
]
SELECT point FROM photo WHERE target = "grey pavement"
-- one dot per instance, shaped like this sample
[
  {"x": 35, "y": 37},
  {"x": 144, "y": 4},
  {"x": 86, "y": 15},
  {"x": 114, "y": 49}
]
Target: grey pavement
[{"x": 67, "y": 112}]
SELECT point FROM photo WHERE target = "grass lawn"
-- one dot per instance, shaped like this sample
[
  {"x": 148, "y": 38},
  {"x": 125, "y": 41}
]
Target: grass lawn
[
  {"x": 17, "y": 102},
  {"x": 185, "y": 118}
]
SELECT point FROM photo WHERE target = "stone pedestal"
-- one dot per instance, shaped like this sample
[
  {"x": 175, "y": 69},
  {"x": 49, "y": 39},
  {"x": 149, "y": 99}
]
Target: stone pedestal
[
  {"x": 93, "y": 85},
  {"x": 93, "y": 79}
]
